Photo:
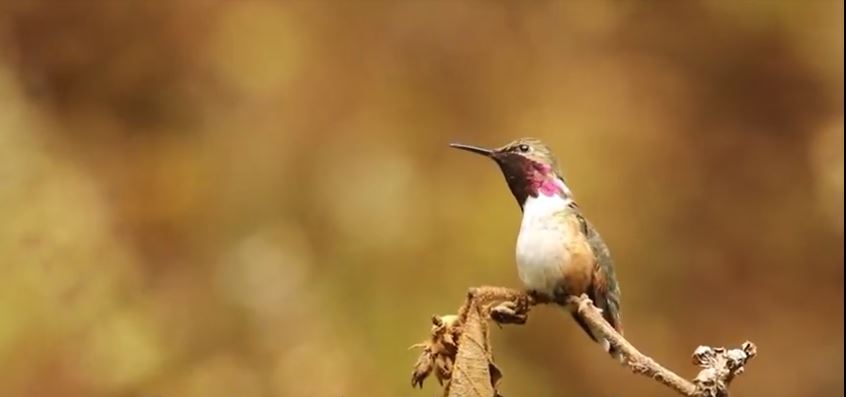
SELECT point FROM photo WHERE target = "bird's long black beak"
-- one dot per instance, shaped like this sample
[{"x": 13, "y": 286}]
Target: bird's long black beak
[{"x": 473, "y": 149}]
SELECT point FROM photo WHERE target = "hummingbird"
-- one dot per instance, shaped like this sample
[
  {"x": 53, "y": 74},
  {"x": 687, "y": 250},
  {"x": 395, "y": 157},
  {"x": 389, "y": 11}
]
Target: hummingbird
[{"x": 559, "y": 253}]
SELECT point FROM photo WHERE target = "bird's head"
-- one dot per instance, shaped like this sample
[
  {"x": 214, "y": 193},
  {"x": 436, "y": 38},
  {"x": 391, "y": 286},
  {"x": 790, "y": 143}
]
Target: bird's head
[{"x": 529, "y": 168}]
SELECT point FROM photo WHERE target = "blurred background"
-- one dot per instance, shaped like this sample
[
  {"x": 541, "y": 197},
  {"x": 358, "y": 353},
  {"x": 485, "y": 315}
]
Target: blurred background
[{"x": 256, "y": 198}]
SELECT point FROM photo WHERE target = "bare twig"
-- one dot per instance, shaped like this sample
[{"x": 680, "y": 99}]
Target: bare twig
[
  {"x": 459, "y": 352},
  {"x": 720, "y": 366}
]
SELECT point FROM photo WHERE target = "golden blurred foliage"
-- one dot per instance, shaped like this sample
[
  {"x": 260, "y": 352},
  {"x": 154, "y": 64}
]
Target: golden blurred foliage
[{"x": 255, "y": 198}]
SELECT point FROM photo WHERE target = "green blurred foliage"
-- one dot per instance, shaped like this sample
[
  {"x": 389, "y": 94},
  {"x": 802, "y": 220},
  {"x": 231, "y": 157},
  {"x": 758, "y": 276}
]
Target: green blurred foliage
[{"x": 255, "y": 198}]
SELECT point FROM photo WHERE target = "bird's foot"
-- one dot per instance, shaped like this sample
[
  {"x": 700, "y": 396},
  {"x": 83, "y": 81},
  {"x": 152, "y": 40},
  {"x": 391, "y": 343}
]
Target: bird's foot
[{"x": 511, "y": 312}]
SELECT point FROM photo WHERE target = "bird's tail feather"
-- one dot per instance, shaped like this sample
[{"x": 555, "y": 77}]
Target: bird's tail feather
[{"x": 606, "y": 345}]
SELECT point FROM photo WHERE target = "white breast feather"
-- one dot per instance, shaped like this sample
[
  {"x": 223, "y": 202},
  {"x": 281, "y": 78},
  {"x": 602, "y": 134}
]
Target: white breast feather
[{"x": 541, "y": 248}]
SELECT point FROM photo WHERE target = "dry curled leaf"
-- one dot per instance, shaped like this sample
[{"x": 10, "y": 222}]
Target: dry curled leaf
[{"x": 439, "y": 351}]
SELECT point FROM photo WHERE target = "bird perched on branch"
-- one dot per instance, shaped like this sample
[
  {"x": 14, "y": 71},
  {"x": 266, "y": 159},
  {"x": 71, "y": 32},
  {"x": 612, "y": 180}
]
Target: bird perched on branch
[{"x": 559, "y": 253}]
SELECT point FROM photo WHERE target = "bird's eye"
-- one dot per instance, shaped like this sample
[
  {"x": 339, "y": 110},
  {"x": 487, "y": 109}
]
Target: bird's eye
[{"x": 523, "y": 148}]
